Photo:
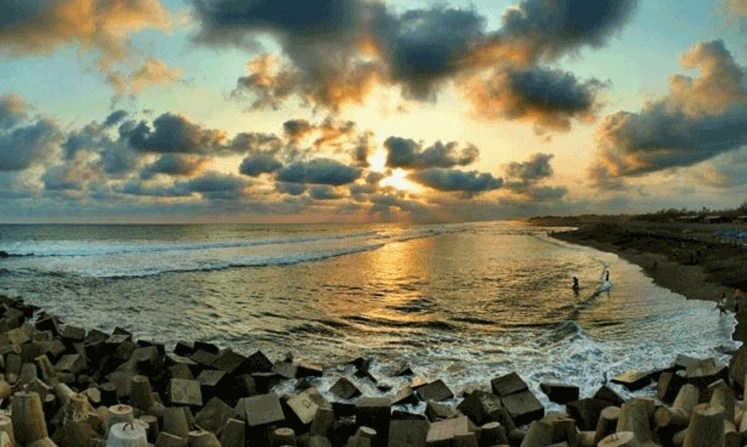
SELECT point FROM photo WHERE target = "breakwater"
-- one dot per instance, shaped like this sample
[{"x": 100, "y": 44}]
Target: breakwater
[{"x": 69, "y": 386}]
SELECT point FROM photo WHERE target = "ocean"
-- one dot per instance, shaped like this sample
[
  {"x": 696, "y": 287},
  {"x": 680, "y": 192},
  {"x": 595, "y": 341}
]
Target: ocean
[{"x": 464, "y": 303}]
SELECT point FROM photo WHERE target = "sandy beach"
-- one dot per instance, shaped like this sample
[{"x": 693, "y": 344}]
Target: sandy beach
[{"x": 693, "y": 260}]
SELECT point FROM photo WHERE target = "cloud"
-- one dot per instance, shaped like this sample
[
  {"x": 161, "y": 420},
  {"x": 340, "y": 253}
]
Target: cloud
[
  {"x": 61, "y": 178},
  {"x": 471, "y": 182},
  {"x": 324, "y": 192},
  {"x": 408, "y": 154},
  {"x": 115, "y": 118},
  {"x": 728, "y": 170},
  {"x": 738, "y": 7},
  {"x": 217, "y": 186},
  {"x": 297, "y": 129},
  {"x": 425, "y": 47},
  {"x": 293, "y": 189},
  {"x": 12, "y": 110},
  {"x": 174, "y": 165},
  {"x": 546, "y": 98},
  {"x": 336, "y": 51},
  {"x": 173, "y": 134},
  {"x": 531, "y": 171},
  {"x": 259, "y": 163},
  {"x": 41, "y": 26},
  {"x": 322, "y": 171},
  {"x": 550, "y": 28},
  {"x": 153, "y": 72},
  {"x": 22, "y": 147},
  {"x": 700, "y": 118}
]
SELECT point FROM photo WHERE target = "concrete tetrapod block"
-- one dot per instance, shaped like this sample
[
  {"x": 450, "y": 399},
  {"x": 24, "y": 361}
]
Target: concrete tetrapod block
[
  {"x": 523, "y": 407},
  {"x": 168, "y": 440},
  {"x": 408, "y": 433},
  {"x": 558, "y": 392},
  {"x": 510, "y": 383},
  {"x": 213, "y": 415},
  {"x": 303, "y": 406},
  {"x": 633, "y": 380},
  {"x": 586, "y": 411},
  {"x": 374, "y": 412},
  {"x": 706, "y": 427},
  {"x": 442, "y": 433},
  {"x": 202, "y": 438},
  {"x": 228, "y": 361},
  {"x": 436, "y": 390},
  {"x": 185, "y": 392},
  {"x": 127, "y": 434},
  {"x": 233, "y": 434},
  {"x": 28, "y": 418},
  {"x": 436, "y": 411},
  {"x": 345, "y": 389},
  {"x": 481, "y": 407},
  {"x": 262, "y": 410}
]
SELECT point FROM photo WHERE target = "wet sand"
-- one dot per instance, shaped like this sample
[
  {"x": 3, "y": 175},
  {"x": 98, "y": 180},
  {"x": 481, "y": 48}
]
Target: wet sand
[{"x": 693, "y": 260}]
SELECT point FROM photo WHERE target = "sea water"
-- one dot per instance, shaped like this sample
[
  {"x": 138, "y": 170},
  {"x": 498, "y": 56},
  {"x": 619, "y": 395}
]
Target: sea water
[{"x": 464, "y": 303}]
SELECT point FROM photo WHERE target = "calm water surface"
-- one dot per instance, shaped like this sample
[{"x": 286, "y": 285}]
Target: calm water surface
[{"x": 464, "y": 303}]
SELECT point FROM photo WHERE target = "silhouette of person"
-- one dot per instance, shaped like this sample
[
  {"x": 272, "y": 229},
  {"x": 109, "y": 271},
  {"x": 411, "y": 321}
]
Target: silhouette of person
[{"x": 575, "y": 287}]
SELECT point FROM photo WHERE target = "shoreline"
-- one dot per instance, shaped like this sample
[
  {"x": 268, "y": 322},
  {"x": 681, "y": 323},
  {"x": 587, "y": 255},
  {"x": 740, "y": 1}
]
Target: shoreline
[{"x": 688, "y": 259}]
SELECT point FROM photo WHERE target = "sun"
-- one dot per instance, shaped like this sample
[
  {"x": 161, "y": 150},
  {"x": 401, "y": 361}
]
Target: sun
[{"x": 397, "y": 177}]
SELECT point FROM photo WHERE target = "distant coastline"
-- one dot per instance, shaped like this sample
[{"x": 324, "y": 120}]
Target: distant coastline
[{"x": 698, "y": 260}]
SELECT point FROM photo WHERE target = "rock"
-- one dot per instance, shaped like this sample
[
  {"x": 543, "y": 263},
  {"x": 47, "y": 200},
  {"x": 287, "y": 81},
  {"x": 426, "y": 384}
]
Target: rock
[
  {"x": 606, "y": 393},
  {"x": 738, "y": 366},
  {"x": 405, "y": 396},
  {"x": 258, "y": 362}
]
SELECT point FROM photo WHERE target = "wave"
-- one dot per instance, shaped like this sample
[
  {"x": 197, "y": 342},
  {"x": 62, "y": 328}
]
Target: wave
[{"x": 83, "y": 248}]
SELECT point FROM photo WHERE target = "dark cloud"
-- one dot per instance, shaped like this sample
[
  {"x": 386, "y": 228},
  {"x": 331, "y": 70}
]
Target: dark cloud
[
  {"x": 12, "y": 110},
  {"x": 293, "y": 189},
  {"x": 469, "y": 182},
  {"x": 22, "y": 147},
  {"x": 549, "y": 28},
  {"x": 173, "y": 134},
  {"x": 61, "y": 178},
  {"x": 115, "y": 156},
  {"x": 323, "y": 171},
  {"x": 700, "y": 118},
  {"x": 297, "y": 129},
  {"x": 408, "y": 154},
  {"x": 547, "y": 98},
  {"x": 114, "y": 118},
  {"x": 336, "y": 53},
  {"x": 533, "y": 170},
  {"x": 324, "y": 192},
  {"x": 728, "y": 170},
  {"x": 252, "y": 142},
  {"x": 216, "y": 186},
  {"x": 174, "y": 165},
  {"x": 424, "y": 47},
  {"x": 139, "y": 189},
  {"x": 259, "y": 163}
]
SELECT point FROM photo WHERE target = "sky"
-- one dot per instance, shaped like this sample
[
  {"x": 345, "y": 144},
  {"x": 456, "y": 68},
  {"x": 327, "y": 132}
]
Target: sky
[{"x": 369, "y": 110}]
